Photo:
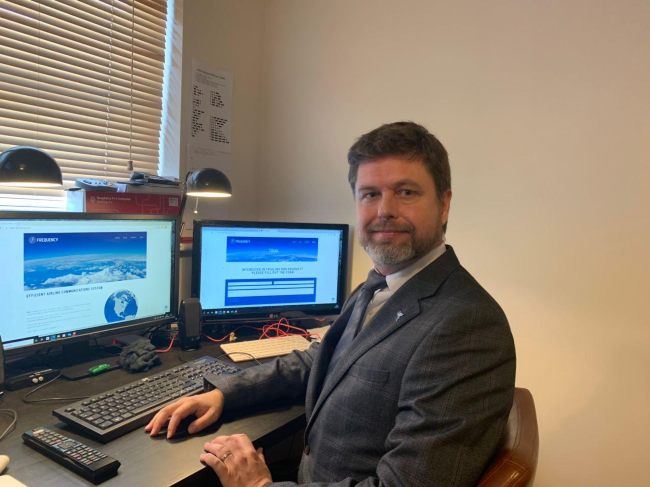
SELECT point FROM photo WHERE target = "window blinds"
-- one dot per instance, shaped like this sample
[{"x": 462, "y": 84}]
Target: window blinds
[{"x": 82, "y": 80}]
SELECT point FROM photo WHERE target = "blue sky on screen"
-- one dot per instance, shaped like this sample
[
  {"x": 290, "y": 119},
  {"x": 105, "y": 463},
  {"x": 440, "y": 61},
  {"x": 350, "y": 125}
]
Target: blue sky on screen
[
  {"x": 69, "y": 244},
  {"x": 72, "y": 259},
  {"x": 272, "y": 249}
]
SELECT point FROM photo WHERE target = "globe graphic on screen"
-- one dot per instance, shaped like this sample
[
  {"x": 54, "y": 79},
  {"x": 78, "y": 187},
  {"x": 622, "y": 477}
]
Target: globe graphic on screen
[{"x": 120, "y": 306}]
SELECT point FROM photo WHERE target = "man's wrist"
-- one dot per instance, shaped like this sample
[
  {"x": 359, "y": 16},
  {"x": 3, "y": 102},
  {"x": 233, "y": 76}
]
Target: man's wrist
[{"x": 217, "y": 394}]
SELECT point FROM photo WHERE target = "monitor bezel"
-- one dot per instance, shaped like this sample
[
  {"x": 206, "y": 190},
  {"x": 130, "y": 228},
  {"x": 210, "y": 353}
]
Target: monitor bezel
[
  {"x": 130, "y": 328},
  {"x": 270, "y": 312}
]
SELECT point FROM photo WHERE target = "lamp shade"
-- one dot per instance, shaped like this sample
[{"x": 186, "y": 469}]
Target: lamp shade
[
  {"x": 29, "y": 166},
  {"x": 208, "y": 182}
]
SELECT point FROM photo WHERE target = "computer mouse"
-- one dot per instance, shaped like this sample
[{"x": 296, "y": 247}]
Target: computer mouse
[
  {"x": 181, "y": 429},
  {"x": 4, "y": 461}
]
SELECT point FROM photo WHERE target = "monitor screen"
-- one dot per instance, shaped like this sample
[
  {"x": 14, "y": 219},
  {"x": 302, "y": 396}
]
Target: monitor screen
[
  {"x": 244, "y": 270},
  {"x": 74, "y": 276}
]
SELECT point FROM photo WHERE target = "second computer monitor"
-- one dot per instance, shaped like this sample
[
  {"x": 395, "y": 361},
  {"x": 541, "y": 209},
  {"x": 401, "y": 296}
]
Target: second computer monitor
[{"x": 248, "y": 270}]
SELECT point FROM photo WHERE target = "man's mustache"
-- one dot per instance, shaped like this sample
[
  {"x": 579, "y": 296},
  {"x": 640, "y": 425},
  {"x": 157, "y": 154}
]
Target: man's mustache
[{"x": 379, "y": 227}]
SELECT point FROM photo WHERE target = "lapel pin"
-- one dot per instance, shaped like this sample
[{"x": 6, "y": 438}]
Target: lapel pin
[{"x": 399, "y": 315}]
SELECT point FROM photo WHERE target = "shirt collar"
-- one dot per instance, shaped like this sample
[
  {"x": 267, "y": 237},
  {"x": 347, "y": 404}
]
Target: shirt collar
[{"x": 398, "y": 279}]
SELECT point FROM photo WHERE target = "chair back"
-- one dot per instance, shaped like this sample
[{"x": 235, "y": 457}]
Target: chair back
[{"x": 515, "y": 465}]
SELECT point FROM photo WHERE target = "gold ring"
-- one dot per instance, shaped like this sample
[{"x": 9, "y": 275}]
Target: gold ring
[{"x": 226, "y": 455}]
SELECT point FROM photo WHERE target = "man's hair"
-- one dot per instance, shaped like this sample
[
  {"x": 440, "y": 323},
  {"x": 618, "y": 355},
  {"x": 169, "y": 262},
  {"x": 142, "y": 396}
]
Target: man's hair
[{"x": 402, "y": 139}]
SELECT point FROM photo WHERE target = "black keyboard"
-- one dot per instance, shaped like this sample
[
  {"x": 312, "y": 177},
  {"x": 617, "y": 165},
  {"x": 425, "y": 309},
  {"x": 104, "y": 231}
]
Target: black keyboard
[{"x": 116, "y": 412}]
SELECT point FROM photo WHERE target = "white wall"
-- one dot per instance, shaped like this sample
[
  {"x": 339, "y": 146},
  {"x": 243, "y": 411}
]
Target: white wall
[
  {"x": 545, "y": 110},
  {"x": 544, "y": 107},
  {"x": 227, "y": 35}
]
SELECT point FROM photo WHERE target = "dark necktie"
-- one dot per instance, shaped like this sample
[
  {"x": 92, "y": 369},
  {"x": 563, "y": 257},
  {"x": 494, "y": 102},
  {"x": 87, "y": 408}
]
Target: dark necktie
[{"x": 375, "y": 281}]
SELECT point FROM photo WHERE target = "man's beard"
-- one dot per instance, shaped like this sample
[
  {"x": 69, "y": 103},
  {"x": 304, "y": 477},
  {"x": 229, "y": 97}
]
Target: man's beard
[{"x": 391, "y": 253}]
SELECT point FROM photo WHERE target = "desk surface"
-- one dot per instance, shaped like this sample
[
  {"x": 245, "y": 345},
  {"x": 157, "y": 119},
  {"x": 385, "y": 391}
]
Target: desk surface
[{"x": 145, "y": 461}]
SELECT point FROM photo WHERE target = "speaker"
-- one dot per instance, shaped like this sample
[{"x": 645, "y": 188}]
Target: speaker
[{"x": 189, "y": 324}]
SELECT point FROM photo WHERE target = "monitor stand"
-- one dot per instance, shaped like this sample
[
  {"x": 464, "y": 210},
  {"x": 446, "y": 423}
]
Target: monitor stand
[{"x": 79, "y": 357}]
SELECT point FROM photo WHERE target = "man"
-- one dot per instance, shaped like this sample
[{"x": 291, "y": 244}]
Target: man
[{"x": 411, "y": 389}]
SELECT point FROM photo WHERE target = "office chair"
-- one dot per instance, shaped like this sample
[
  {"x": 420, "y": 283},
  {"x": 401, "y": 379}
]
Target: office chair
[{"x": 516, "y": 463}]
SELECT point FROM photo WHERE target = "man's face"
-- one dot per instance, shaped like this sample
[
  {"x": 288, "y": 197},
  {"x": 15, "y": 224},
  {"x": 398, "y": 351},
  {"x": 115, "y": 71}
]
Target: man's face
[{"x": 399, "y": 215}]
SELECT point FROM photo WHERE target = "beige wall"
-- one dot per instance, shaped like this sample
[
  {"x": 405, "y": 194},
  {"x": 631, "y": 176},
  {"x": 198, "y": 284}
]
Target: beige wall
[
  {"x": 544, "y": 107},
  {"x": 227, "y": 35}
]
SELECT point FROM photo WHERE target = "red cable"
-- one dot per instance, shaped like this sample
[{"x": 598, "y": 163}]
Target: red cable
[
  {"x": 280, "y": 332},
  {"x": 170, "y": 345},
  {"x": 219, "y": 340},
  {"x": 216, "y": 340},
  {"x": 274, "y": 327}
]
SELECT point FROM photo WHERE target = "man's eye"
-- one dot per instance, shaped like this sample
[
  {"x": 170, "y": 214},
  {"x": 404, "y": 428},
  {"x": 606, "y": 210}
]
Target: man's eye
[
  {"x": 407, "y": 192},
  {"x": 371, "y": 195}
]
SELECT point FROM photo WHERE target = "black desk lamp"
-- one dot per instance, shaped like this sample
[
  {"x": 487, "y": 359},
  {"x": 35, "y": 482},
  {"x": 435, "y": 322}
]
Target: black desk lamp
[
  {"x": 29, "y": 166},
  {"x": 206, "y": 182}
]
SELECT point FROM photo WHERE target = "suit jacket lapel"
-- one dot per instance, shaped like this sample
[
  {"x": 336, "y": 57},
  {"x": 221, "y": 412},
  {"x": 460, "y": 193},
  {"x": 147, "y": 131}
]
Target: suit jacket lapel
[{"x": 402, "y": 307}]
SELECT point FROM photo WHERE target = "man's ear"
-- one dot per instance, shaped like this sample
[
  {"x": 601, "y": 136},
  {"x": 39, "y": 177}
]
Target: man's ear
[{"x": 445, "y": 206}]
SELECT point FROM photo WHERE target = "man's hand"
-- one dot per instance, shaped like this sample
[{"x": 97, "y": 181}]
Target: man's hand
[
  {"x": 236, "y": 462},
  {"x": 206, "y": 407}
]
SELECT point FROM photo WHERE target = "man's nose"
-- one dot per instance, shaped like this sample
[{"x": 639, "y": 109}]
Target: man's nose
[{"x": 388, "y": 207}]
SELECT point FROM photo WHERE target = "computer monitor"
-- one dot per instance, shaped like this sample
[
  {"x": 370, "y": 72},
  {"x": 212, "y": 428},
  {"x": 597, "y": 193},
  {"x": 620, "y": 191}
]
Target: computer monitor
[
  {"x": 70, "y": 277},
  {"x": 252, "y": 270}
]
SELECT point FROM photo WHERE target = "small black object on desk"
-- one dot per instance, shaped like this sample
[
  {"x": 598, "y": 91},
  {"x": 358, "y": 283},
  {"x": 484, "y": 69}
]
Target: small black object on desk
[{"x": 30, "y": 379}]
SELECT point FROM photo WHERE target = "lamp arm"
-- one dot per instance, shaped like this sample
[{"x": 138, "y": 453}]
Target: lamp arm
[{"x": 183, "y": 203}]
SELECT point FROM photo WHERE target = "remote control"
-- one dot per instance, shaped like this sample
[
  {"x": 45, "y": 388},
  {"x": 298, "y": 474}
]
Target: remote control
[{"x": 81, "y": 459}]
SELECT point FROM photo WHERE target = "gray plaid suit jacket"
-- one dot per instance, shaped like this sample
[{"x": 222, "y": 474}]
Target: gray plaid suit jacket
[{"x": 422, "y": 397}]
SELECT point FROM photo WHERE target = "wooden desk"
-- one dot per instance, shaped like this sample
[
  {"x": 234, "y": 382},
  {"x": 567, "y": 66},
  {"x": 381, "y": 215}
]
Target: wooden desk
[{"x": 145, "y": 461}]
